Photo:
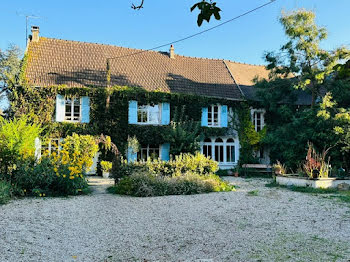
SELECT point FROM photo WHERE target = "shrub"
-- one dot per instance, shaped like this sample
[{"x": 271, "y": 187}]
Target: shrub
[
  {"x": 106, "y": 166},
  {"x": 17, "y": 142},
  {"x": 315, "y": 165},
  {"x": 5, "y": 192},
  {"x": 198, "y": 164},
  {"x": 144, "y": 184}
]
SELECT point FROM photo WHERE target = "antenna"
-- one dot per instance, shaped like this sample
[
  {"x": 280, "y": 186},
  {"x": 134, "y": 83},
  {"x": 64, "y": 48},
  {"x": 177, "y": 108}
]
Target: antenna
[{"x": 27, "y": 18}]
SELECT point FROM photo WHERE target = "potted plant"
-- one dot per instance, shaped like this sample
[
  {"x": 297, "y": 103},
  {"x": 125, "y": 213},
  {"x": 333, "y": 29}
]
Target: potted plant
[
  {"x": 106, "y": 167},
  {"x": 279, "y": 168}
]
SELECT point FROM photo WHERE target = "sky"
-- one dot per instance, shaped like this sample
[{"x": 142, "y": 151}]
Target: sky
[{"x": 162, "y": 21}]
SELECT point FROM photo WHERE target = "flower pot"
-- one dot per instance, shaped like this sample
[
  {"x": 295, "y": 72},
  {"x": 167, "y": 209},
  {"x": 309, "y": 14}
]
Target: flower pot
[
  {"x": 236, "y": 174},
  {"x": 105, "y": 174}
]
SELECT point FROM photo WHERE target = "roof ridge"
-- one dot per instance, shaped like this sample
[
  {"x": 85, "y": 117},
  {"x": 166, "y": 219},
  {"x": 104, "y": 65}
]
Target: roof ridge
[
  {"x": 137, "y": 49},
  {"x": 242, "y": 63}
]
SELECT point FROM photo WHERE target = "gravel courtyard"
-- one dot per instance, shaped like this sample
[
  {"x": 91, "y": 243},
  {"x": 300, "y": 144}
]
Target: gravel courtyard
[{"x": 267, "y": 225}]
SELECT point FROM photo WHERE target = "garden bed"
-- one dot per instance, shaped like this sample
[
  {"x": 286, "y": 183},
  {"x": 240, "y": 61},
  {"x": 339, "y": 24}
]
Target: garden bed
[{"x": 290, "y": 180}]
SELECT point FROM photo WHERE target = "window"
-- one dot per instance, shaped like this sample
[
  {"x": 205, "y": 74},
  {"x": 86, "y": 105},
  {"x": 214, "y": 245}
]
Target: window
[
  {"x": 207, "y": 148},
  {"x": 51, "y": 146},
  {"x": 72, "y": 109},
  {"x": 147, "y": 114},
  {"x": 230, "y": 151},
  {"x": 148, "y": 152},
  {"x": 220, "y": 149},
  {"x": 258, "y": 119},
  {"x": 214, "y": 116}
]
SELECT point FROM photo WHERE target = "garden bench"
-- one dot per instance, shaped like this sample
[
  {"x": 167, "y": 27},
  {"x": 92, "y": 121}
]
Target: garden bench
[{"x": 261, "y": 168}]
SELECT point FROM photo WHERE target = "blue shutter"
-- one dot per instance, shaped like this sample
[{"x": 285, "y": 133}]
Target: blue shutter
[
  {"x": 60, "y": 110},
  {"x": 85, "y": 109},
  {"x": 205, "y": 116},
  {"x": 132, "y": 156},
  {"x": 165, "y": 152},
  {"x": 165, "y": 114},
  {"x": 132, "y": 112},
  {"x": 223, "y": 116}
]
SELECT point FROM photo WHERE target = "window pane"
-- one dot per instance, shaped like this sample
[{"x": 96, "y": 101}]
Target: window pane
[
  {"x": 219, "y": 153},
  {"x": 210, "y": 116},
  {"x": 68, "y": 106},
  {"x": 153, "y": 114},
  {"x": 230, "y": 154}
]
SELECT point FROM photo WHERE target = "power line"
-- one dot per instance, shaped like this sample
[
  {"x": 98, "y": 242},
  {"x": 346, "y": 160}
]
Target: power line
[{"x": 196, "y": 34}]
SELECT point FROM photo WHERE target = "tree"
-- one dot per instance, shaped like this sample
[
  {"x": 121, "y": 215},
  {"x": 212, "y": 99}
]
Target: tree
[
  {"x": 301, "y": 57},
  {"x": 207, "y": 10},
  {"x": 10, "y": 64}
]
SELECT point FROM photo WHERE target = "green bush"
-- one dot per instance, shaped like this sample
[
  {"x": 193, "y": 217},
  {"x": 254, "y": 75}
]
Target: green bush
[
  {"x": 17, "y": 142},
  {"x": 198, "y": 164},
  {"x": 144, "y": 184},
  {"x": 5, "y": 192},
  {"x": 46, "y": 178}
]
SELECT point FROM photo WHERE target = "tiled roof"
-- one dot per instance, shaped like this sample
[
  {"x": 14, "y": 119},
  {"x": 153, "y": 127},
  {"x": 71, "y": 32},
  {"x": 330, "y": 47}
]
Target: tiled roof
[
  {"x": 244, "y": 74},
  {"x": 78, "y": 64}
]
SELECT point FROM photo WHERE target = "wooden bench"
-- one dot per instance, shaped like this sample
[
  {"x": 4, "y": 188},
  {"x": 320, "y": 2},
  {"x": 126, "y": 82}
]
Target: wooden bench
[{"x": 261, "y": 168}]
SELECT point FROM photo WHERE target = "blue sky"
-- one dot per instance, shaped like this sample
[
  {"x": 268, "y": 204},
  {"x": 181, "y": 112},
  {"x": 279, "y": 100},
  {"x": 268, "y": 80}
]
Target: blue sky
[{"x": 161, "y": 21}]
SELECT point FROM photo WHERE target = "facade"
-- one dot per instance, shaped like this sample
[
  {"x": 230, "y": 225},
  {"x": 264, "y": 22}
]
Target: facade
[{"x": 78, "y": 65}]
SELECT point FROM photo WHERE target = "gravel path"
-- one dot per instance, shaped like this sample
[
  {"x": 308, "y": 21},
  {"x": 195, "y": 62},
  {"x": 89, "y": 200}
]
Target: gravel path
[{"x": 267, "y": 225}]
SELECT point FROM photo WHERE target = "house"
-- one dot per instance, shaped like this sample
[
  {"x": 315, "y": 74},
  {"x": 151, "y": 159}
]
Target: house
[{"x": 215, "y": 85}]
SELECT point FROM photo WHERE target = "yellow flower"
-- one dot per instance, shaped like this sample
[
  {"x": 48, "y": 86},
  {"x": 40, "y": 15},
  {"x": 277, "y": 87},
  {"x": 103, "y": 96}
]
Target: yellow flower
[
  {"x": 41, "y": 195},
  {"x": 24, "y": 190},
  {"x": 71, "y": 177},
  {"x": 64, "y": 175},
  {"x": 55, "y": 169}
]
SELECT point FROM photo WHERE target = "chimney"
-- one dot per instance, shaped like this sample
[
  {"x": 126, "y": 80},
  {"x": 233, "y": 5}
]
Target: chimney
[
  {"x": 172, "y": 52},
  {"x": 35, "y": 33}
]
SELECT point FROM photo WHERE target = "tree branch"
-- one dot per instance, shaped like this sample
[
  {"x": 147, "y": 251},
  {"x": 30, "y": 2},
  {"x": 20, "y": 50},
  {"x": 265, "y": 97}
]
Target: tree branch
[{"x": 138, "y": 7}]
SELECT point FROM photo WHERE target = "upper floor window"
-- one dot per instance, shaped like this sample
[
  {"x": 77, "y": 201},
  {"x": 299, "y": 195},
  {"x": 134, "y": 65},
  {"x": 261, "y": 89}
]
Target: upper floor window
[
  {"x": 258, "y": 119},
  {"x": 148, "y": 114},
  {"x": 148, "y": 152},
  {"x": 72, "y": 109},
  {"x": 214, "y": 116}
]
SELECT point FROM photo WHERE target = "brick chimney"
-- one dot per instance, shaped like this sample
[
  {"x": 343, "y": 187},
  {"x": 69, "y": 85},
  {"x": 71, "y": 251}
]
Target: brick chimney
[
  {"x": 172, "y": 52},
  {"x": 35, "y": 34}
]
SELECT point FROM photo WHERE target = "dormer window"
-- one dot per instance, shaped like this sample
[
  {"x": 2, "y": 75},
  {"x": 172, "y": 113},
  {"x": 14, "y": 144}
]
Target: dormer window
[
  {"x": 214, "y": 116},
  {"x": 148, "y": 114}
]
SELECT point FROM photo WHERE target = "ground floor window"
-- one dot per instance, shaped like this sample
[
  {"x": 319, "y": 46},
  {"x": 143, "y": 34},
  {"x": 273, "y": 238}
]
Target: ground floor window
[
  {"x": 50, "y": 146},
  {"x": 220, "y": 149},
  {"x": 148, "y": 152}
]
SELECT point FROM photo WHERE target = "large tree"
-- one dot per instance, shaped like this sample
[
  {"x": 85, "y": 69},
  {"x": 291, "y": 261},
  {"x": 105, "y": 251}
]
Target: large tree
[
  {"x": 302, "y": 57},
  {"x": 10, "y": 63}
]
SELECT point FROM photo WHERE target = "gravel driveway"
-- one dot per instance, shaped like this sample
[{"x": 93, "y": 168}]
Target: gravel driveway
[{"x": 267, "y": 225}]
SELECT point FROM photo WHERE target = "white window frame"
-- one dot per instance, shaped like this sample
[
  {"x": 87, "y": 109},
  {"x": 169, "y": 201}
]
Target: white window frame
[
  {"x": 50, "y": 146},
  {"x": 255, "y": 119},
  {"x": 225, "y": 144},
  {"x": 148, "y": 149},
  {"x": 72, "y": 98},
  {"x": 211, "y": 110},
  {"x": 146, "y": 108}
]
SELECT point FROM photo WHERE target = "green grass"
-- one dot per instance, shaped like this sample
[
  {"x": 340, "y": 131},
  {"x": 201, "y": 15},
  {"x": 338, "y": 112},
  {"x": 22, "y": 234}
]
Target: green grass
[
  {"x": 253, "y": 193},
  {"x": 343, "y": 196},
  {"x": 5, "y": 192}
]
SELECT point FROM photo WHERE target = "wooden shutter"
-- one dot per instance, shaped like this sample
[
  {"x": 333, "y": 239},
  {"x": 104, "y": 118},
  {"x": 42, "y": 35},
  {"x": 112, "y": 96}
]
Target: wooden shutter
[
  {"x": 205, "y": 116},
  {"x": 165, "y": 120},
  {"x": 223, "y": 116},
  {"x": 132, "y": 112},
  {"x": 165, "y": 152}
]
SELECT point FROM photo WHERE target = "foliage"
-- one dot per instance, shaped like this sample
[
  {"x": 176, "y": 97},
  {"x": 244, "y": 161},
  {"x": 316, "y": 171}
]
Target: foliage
[
  {"x": 17, "y": 142},
  {"x": 9, "y": 68},
  {"x": 106, "y": 166},
  {"x": 198, "y": 164},
  {"x": 315, "y": 165},
  {"x": 5, "y": 192},
  {"x": 302, "y": 57},
  {"x": 184, "y": 135},
  {"x": 144, "y": 184},
  {"x": 48, "y": 178},
  {"x": 279, "y": 168},
  {"x": 207, "y": 10}
]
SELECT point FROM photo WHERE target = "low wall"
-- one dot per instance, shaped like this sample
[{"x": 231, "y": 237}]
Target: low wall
[{"x": 304, "y": 182}]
